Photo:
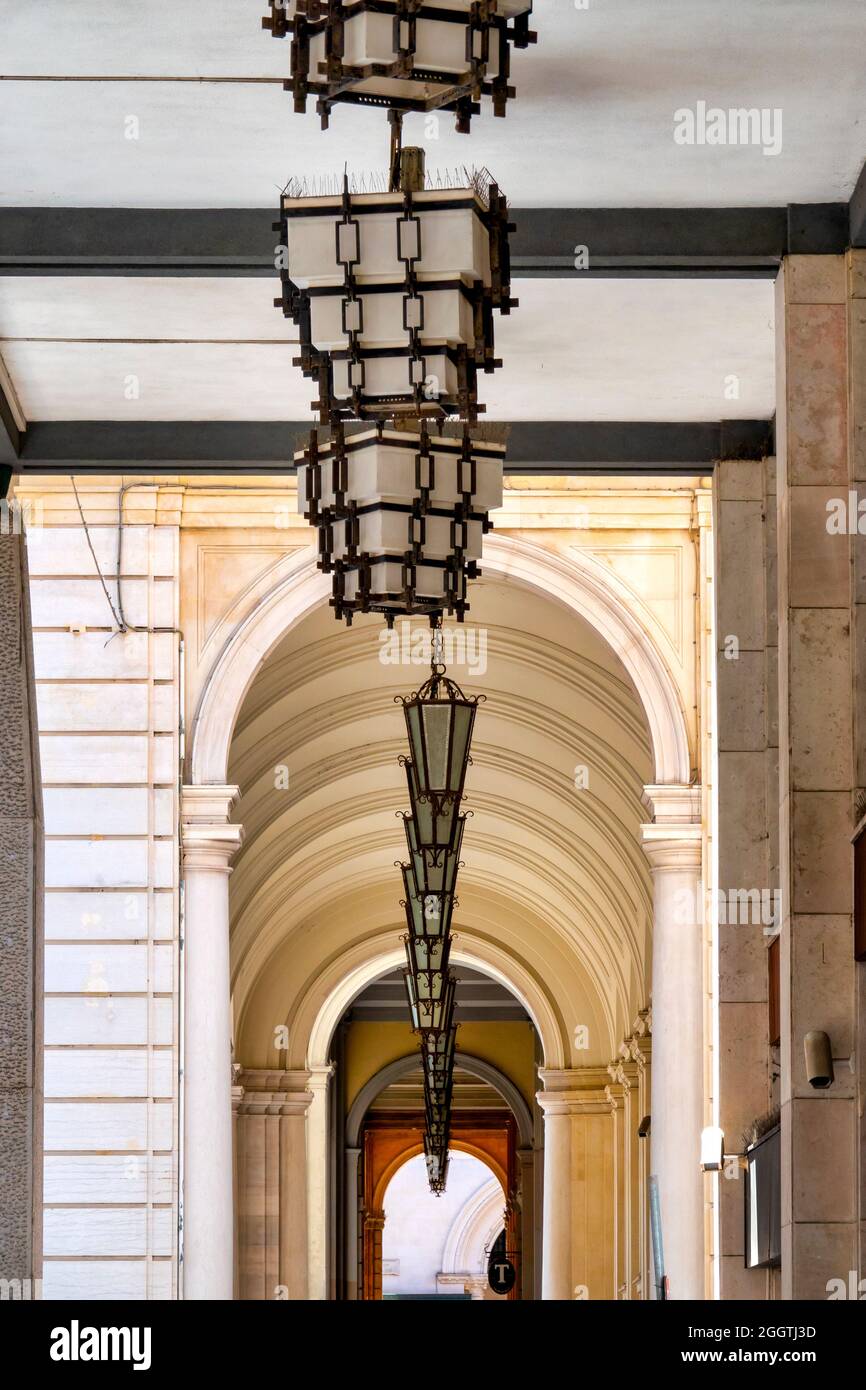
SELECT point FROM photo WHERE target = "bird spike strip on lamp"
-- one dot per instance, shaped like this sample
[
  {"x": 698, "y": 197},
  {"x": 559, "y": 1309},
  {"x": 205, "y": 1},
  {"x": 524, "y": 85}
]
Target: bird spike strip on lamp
[
  {"x": 439, "y": 725},
  {"x": 406, "y": 55}
]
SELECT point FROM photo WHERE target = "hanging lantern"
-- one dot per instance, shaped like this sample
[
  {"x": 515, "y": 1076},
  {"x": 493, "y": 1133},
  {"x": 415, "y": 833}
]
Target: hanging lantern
[
  {"x": 429, "y": 921},
  {"x": 400, "y": 517},
  {"x": 393, "y": 292},
  {"x": 436, "y": 1159},
  {"x": 439, "y": 722},
  {"x": 431, "y": 999},
  {"x": 431, "y": 875},
  {"x": 407, "y": 55},
  {"x": 438, "y": 1049},
  {"x": 436, "y": 818}
]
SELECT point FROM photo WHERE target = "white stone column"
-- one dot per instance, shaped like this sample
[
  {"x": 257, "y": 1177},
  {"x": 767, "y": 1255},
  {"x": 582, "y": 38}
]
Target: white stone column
[
  {"x": 673, "y": 845},
  {"x": 208, "y": 841},
  {"x": 556, "y": 1266},
  {"x": 317, "y": 1181}
]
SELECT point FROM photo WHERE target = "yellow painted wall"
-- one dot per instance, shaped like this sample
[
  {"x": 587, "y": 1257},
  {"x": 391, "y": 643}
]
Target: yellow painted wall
[{"x": 508, "y": 1046}]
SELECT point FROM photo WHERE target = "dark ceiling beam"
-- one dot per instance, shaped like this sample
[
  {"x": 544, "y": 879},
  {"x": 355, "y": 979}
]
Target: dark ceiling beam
[
  {"x": 548, "y": 242},
  {"x": 258, "y": 447}
]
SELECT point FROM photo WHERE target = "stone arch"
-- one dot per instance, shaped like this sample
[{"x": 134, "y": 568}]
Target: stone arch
[
  {"x": 485, "y": 1071},
  {"x": 328, "y": 997},
  {"x": 580, "y": 583},
  {"x": 478, "y": 1222}
]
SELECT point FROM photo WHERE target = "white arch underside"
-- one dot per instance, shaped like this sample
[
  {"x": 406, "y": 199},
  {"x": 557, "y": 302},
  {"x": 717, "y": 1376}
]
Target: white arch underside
[{"x": 579, "y": 583}]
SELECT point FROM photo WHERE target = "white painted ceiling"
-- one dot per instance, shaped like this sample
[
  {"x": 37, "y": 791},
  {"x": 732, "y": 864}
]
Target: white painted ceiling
[
  {"x": 217, "y": 349},
  {"x": 592, "y": 124}
]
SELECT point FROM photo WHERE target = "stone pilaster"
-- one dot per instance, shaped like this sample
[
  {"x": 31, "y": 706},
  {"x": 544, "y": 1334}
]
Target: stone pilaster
[
  {"x": 746, "y": 623},
  {"x": 819, "y": 454},
  {"x": 579, "y": 1185},
  {"x": 272, "y": 1184}
]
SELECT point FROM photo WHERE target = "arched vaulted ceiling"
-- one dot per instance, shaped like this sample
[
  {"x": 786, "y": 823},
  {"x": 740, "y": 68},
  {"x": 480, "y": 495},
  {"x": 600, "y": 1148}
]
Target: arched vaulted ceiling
[{"x": 551, "y": 869}]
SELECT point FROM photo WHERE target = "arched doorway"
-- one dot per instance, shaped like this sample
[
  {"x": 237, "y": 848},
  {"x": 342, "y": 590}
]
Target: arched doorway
[
  {"x": 492, "y": 1120},
  {"x": 439, "y": 1247}
]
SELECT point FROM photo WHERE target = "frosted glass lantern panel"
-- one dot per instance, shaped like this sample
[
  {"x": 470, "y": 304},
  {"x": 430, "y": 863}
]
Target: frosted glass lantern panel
[
  {"x": 387, "y": 532},
  {"x": 388, "y": 579},
  {"x": 387, "y": 471},
  {"x": 392, "y": 376},
  {"x": 454, "y": 241},
  {"x": 446, "y": 316}
]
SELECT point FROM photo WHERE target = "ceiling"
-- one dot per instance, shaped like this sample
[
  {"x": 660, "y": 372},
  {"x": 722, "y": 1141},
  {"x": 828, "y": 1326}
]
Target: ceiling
[
  {"x": 479, "y": 1000},
  {"x": 199, "y": 88},
  {"x": 144, "y": 348},
  {"x": 595, "y": 106}
]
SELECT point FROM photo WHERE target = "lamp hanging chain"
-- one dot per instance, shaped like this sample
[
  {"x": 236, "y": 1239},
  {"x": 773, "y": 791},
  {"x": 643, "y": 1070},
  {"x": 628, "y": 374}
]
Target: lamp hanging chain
[{"x": 437, "y": 665}]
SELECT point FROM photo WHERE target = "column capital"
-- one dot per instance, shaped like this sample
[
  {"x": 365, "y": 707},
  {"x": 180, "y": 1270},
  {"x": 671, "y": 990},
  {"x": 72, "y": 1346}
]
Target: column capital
[
  {"x": 208, "y": 838},
  {"x": 578, "y": 1091},
  {"x": 674, "y": 837},
  {"x": 318, "y": 1078}
]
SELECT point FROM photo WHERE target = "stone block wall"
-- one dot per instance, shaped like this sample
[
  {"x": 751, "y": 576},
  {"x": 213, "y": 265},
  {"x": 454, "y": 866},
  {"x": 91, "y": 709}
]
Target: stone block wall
[
  {"x": 109, "y": 731},
  {"x": 20, "y": 933}
]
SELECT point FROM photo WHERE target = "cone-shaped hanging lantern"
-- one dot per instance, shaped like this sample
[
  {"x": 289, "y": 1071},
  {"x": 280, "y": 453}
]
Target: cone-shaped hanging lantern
[
  {"x": 407, "y": 55},
  {"x": 437, "y": 821},
  {"x": 429, "y": 922},
  {"x": 429, "y": 875},
  {"x": 439, "y": 722},
  {"x": 431, "y": 999},
  {"x": 436, "y": 1159}
]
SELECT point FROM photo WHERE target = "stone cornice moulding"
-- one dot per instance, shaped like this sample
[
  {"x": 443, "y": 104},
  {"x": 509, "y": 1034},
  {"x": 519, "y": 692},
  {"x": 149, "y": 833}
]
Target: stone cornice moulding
[
  {"x": 270, "y": 1092},
  {"x": 208, "y": 837}
]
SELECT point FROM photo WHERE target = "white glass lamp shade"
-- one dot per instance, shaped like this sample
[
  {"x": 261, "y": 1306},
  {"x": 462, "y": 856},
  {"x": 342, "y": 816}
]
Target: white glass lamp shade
[
  {"x": 451, "y": 242},
  {"x": 443, "y": 316},
  {"x": 384, "y": 468}
]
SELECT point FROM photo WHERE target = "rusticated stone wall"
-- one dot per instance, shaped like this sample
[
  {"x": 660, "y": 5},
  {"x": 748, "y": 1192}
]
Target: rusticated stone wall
[{"x": 20, "y": 930}]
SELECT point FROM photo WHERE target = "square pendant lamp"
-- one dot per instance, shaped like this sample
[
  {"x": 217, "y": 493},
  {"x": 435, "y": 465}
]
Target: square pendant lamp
[
  {"x": 400, "y": 517},
  {"x": 393, "y": 294},
  {"x": 407, "y": 55}
]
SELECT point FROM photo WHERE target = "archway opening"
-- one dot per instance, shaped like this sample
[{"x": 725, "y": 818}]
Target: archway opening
[
  {"x": 494, "y": 1124},
  {"x": 440, "y": 1247}
]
